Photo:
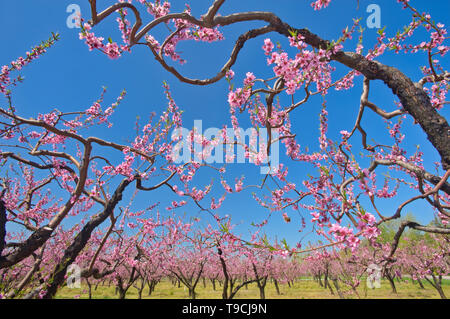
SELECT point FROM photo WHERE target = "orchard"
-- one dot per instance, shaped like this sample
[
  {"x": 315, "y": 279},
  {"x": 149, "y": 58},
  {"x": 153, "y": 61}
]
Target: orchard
[{"x": 317, "y": 165}]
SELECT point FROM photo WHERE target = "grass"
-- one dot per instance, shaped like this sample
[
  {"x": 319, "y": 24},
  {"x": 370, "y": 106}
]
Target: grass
[{"x": 302, "y": 289}]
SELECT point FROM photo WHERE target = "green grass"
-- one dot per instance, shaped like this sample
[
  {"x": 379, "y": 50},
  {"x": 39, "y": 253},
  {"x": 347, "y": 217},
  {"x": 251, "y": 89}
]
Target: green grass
[{"x": 302, "y": 289}]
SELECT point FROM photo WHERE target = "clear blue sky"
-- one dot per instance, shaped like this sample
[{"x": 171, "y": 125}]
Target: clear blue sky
[{"x": 70, "y": 78}]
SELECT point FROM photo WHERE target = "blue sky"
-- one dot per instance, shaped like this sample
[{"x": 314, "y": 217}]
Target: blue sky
[{"x": 70, "y": 78}]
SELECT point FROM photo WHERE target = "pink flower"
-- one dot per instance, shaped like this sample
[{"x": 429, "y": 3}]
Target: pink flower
[
  {"x": 318, "y": 4},
  {"x": 250, "y": 78},
  {"x": 112, "y": 50},
  {"x": 268, "y": 46},
  {"x": 230, "y": 74},
  {"x": 226, "y": 186},
  {"x": 238, "y": 186}
]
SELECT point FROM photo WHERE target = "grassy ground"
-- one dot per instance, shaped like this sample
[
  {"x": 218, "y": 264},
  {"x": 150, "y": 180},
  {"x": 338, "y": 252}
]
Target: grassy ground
[{"x": 302, "y": 289}]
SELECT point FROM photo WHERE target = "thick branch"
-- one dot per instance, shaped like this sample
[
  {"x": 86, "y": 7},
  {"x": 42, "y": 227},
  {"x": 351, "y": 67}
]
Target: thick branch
[{"x": 3, "y": 220}]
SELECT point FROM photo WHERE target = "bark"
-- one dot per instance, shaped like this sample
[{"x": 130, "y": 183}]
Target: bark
[
  {"x": 3, "y": 220},
  {"x": 151, "y": 286},
  {"x": 225, "y": 274},
  {"x": 140, "y": 288},
  {"x": 441, "y": 292},
  {"x": 437, "y": 284},
  {"x": 331, "y": 289},
  {"x": 89, "y": 288},
  {"x": 122, "y": 291},
  {"x": 319, "y": 278},
  {"x": 420, "y": 284},
  {"x": 234, "y": 291},
  {"x": 262, "y": 293},
  {"x": 261, "y": 282},
  {"x": 391, "y": 282},
  {"x": 36, "y": 240},
  {"x": 192, "y": 293},
  {"x": 275, "y": 282},
  {"x": 232, "y": 282},
  {"x": 190, "y": 282},
  {"x": 97, "y": 274},
  {"x": 326, "y": 282},
  {"x": 122, "y": 287},
  {"x": 338, "y": 289}
]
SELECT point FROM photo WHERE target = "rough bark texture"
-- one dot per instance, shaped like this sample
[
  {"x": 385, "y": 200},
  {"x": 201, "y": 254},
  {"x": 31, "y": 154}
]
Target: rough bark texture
[
  {"x": 36, "y": 240},
  {"x": 121, "y": 287},
  {"x": 437, "y": 284},
  {"x": 225, "y": 274},
  {"x": 2, "y": 226},
  {"x": 275, "y": 282},
  {"x": 391, "y": 282}
]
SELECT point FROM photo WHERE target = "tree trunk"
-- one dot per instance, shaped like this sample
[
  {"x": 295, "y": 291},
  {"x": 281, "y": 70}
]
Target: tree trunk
[
  {"x": 438, "y": 286},
  {"x": 192, "y": 293},
  {"x": 275, "y": 282},
  {"x": 151, "y": 286},
  {"x": 420, "y": 283},
  {"x": 89, "y": 288},
  {"x": 441, "y": 292},
  {"x": 326, "y": 282},
  {"x": 122, "y": 292},
  {"x": 262, "y": 294},
  {"x": 320, "y": 280},
  {"x": 331, "y": 289},
  {"x": 391, "y": 282},
  {"x": 336, "y": 285}
]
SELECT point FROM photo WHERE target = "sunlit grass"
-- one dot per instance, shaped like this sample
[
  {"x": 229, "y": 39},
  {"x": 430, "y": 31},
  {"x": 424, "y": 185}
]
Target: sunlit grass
[{"x": 302, "y": 289}]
